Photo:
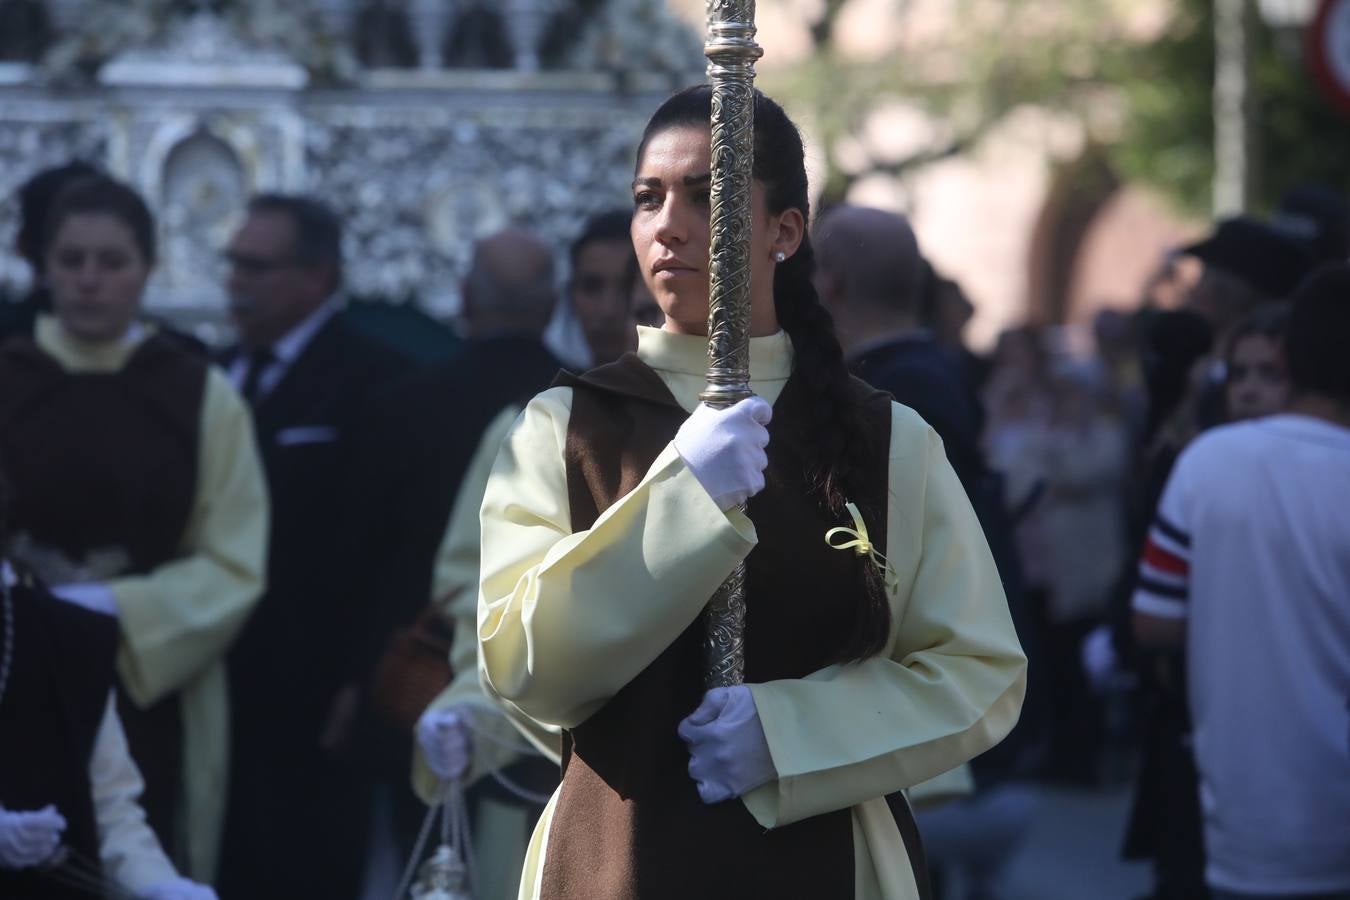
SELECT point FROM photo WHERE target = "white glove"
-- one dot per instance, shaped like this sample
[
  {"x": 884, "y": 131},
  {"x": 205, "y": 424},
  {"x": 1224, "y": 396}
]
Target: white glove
[
  {"x": 178, "y": 889},
  {"x": 1099, "y": 657},
  {"x": 91, "y": 595},
  {"x": 29, "y": 838},
  {"x": 728, "y": 753},
  {"x": 446, "y": 741},
  {"x": 724, "y": 448}
]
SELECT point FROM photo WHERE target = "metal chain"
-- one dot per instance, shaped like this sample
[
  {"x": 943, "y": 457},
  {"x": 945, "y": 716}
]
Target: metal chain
[
  {"x": 521, "y": 793},
  {"x": 453, "y": 812}
]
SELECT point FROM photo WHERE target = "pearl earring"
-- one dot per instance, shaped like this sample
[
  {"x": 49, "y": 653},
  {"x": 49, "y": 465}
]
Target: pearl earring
[{"x": 780, "y": 256}]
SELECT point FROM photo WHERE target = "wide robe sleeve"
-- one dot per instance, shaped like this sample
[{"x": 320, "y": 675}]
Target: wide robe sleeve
[
  {"x": 558, "y": 631},
  {"x": 131, "y": 853},
  {"x": 181, "y": 617},
  {"x": 496, "y": 742},
  {"x": 952, "y": 683}
]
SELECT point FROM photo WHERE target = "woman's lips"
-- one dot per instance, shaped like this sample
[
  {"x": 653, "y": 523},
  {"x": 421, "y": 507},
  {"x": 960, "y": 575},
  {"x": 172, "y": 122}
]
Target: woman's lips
[{"x": 673, "y": 270}]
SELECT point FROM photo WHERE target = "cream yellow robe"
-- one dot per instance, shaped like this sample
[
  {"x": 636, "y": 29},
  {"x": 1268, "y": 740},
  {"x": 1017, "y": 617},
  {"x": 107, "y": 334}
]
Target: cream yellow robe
[
  {"x": 130, "y": 852},
  {"x": 560, "y": 633},
  {"x": 178, "y": 620},
  {"x": 499, "y": 829}
]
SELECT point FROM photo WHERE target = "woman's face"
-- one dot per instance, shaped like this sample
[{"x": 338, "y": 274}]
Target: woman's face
[
  {"x": 671, "y": 197},
  {"x": 97, "y": 274},
  {"x": 1258, "y": 384}
]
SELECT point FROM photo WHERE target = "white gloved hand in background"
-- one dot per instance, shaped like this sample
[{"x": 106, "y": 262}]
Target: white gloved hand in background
[
  {"x": 724, "y": 448},
  {"x": 728, "y": 753},
  {"x": 92, "y": 595},
  {"x": 178, "y": 889},
  {"x": 29, "y": 838},
  {"x": 446, "y": 741},
  {"x": 1099, "y": 657}
]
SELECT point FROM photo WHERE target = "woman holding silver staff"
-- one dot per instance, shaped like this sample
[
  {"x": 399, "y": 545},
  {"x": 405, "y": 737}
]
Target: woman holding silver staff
[{"x": 879, "y": 650}]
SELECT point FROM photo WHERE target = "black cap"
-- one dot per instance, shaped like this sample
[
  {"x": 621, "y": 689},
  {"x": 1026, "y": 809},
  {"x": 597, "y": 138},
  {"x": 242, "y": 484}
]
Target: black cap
[{"x": 1261, "y": 254}]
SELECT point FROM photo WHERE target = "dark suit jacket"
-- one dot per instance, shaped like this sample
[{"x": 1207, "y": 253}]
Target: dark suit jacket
[
  {"x": 924, "y": 376},
  {"x": 287, "y": 662},
  {"x": 427, "y": 427}
]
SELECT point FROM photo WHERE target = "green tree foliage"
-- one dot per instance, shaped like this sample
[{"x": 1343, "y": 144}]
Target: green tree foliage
[
  {"x": 1298, "y": 136},
  {"x": 1147, "y": 104}
]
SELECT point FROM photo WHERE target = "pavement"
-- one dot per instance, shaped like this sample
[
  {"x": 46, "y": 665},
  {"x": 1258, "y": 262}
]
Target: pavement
[
  {"x": 1072, "y": 849},
  {"x": 1070, "y": 852}
]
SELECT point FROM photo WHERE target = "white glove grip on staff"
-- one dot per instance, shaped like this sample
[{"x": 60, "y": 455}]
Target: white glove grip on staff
[
  {"x": 29, "y": 838},
  {"x": 178, "y": 889},
  {"x": 724, "y": 448},
  {"x": 728, "y": 752},
  {"x": 446, "y": 741}
]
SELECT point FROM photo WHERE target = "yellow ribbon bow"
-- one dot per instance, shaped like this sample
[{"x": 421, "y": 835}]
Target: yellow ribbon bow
[{"x": 862, "y": 545}]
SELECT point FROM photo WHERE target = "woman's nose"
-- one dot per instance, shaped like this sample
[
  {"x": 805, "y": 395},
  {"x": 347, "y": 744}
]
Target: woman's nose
[
  {"x": 670, "y": 227},
  {"x": 88, "y": 275}
]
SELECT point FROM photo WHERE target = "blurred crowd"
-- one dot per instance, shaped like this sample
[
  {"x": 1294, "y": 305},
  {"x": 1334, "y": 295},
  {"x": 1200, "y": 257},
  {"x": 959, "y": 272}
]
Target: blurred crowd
[{"x": 236, "y": 577}]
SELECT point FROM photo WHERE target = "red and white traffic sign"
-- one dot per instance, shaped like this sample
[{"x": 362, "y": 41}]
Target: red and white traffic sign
[{"x": 1329, "y": 50}]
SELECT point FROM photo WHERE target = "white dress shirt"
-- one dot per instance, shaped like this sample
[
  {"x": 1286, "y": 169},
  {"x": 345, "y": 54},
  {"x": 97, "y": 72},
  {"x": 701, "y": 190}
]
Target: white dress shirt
[{"x": 285, "y": 351}]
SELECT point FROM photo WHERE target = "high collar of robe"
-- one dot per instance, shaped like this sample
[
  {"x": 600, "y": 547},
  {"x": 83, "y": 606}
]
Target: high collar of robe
[
  {"x": 681, "y": 360},
  {"x": 76, "y": 355}
]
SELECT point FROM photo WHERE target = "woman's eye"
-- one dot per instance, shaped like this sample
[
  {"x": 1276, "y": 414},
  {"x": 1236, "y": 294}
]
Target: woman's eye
[
  {"x": 70, "y": 259},
  {"x": 112, "y": 261},
  {"x": 703, "y": 198},
  {"x": 646, "y": 200}
]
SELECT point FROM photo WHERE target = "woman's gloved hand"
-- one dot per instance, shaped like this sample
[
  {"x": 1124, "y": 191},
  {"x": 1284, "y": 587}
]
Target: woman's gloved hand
[
  {"x": 728, "y": 753},
  {"x": 446, "y": 741},
  {"x": 178, "y": 889},
  {"x": 724, "y": 448},
  {"x": 29, "y": 838},
  {"x": 92, "y": 595}
]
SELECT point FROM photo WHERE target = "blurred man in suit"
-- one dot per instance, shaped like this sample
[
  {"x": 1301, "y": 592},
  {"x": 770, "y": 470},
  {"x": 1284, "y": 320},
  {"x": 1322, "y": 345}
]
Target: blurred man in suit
[{"x": 294, "y": 826}]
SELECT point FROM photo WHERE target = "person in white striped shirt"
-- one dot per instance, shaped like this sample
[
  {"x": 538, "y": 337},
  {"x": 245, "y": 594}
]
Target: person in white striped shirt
[{"x": 1248, "y": 565}]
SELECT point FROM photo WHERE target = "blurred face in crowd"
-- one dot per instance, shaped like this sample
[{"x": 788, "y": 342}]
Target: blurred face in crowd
[
  {"x": 270, "y": 290},
  {"x": 645, "y": 310},
  {"x": 97, "y": 274},
  {"x": 600, "y": 295},
  {"x": 672, "y": 204},
  {"x": 1258, "y": 383}
]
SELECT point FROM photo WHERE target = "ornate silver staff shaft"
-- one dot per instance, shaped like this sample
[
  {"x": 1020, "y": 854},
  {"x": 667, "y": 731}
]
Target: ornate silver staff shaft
[{"x": 731, "y": 52}]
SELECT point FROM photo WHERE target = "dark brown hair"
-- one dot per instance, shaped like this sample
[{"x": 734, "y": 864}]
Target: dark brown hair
[
  {"x": 1318, "y": 333},
  {"x": 108, "y": 196}
]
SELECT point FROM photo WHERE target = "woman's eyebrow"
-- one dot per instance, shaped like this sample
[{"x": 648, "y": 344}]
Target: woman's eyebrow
[{"x": 688, "y": 181}]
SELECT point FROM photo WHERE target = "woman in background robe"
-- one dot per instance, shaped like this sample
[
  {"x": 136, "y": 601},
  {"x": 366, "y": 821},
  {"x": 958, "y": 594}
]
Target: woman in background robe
[{"x": 138, "y": 495}]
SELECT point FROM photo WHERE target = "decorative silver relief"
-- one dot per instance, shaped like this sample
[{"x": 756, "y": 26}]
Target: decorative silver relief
[{"x": 731, "y": 52}]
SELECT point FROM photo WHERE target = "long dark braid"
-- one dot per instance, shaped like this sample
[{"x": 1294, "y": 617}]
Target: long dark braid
[{"x": 837, "y": 436}]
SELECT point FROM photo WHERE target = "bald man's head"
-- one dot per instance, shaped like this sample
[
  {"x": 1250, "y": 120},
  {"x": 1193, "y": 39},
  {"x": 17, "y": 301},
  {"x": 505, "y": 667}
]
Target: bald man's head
[
  {"x": 868, "y": 257},
  {"x": 510, "y": 286}
]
